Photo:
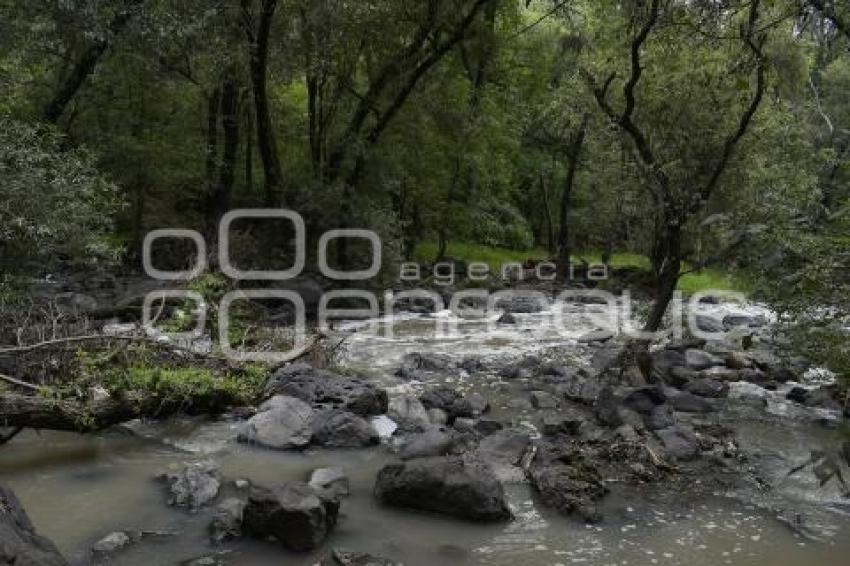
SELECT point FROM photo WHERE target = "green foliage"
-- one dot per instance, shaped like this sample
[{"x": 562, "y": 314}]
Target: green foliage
[
  {"x": 57, "y": 207},
  {"x": 176, "y": 383}
]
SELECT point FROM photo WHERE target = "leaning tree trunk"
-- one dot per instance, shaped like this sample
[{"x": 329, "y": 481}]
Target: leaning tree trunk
[{"x": 667, "y": 269}]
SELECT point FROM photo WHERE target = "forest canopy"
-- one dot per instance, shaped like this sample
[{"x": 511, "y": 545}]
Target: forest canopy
[{"x": 691, "y": 134}]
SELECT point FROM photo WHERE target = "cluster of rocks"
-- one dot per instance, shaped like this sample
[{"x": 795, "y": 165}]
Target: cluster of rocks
[{"x": 309, "y": 406}]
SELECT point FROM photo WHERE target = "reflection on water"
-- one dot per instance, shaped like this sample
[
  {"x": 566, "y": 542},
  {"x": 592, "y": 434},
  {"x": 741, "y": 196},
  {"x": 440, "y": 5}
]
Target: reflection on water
[{"x": 79, "y": 488}]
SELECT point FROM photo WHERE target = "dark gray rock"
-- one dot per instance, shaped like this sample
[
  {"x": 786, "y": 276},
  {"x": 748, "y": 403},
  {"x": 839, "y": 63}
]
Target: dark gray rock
[
  {"x": 699, "y": 359},
  {"x": 337, "y": 428},
  {"x": 644, "y": 399},
  {"x": 685, "y": 402},
  {"x": 477, "y": 403},
  {"x": 20, "y": 544},
  {"x": 195, "y": 486},
  {"x": 521, "y": 304},
  {"x": 679, "y": 442},
  {"x": 663, "y": 362},
  {"x": 227, "y": 520},
  {"x": 798, "y": 395},
  {"x": 450, "y": 401},
  {"x": 596, "y": 336},
  {"x": 293, "y": 513},
  {"x": 662, "y": 417},
  {"x": 506, "y": 318},
  {"x": 707, "y": 387},
  {"x": 454, "y": 486},
  {"x": 321, "y": 388},
  {"x": 824, "y": 397},
  {"x": 486, "y": 426},
  {"x": 731, "y": 321},
  {"x": 340, "y": 557},
  {"x": 425, "y": 362},
  {"x": 707, "y": 323},
  {"x": 434, "y": 441},
  {"x": 543, "y": 400},
  {"x": 281, "y": 423},
  {"x": 472, "y": 365},
  {"x": 566, "y": 421}
]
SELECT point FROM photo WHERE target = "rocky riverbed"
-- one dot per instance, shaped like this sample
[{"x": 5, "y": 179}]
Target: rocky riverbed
[{"x": 520, "y": 441}]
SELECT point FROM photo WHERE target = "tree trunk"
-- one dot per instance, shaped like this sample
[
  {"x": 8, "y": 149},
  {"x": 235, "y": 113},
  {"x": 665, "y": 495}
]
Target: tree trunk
[
  {"x": 573, "y": 155},
  {"x": 84, "y": 67},
  {"x": 547, "y": 211},
  {"x": 220, "y": 199},
  {"x": 667, "y": 270},
  {"x": 258, "y": 51}
]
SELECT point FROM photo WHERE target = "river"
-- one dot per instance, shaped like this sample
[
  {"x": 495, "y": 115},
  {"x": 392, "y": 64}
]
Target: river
[{"x": 77, "y": 489}]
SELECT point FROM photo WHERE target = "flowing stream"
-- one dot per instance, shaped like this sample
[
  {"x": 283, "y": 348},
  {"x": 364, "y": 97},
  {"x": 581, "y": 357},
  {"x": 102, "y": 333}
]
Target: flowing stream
[{"x": 77, "y": 489}]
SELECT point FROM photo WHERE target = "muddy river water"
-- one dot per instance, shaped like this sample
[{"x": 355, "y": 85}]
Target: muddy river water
[{"x": 77, "y": 489}]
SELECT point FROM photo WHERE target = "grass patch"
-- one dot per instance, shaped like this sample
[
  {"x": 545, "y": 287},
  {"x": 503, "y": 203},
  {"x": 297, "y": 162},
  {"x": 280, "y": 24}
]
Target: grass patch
[
  {"x": 689, "y": 283},
  {"x": 708, "y": 279}
]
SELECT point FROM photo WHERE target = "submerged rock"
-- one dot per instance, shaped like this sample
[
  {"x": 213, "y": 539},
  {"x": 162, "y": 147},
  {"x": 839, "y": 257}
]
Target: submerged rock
[
  {"x": 463, "y": 488},
  {"x": 20, "y": 544},
  {"x": 113, "y": 542},
  {"x": 566, "y": 481},
  {"x": 294, "y": 514},
  {"x": 282, "y": 423},
  {"x": 321, "y": 388},
  {"x": 227, "y": 520}
]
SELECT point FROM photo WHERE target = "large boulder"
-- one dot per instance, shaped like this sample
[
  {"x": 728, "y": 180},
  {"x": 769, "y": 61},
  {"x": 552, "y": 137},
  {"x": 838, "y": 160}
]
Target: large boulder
[
  {"x": 464, "y": 488},
  {"x": 321, "y": 388},
  {"x": 686, "y": 402},
  {"x": 195, "y": 486},
  {"x": 282, "y": 423},
  {"x": 293, "y": 513},
  {"x": 20, "y": 544},
  {"x": 337, "y": 428}
]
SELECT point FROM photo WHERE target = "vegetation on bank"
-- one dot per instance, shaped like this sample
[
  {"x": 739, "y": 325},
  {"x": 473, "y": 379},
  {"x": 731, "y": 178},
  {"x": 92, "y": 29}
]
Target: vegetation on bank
[{"x": 495, "y": 257}]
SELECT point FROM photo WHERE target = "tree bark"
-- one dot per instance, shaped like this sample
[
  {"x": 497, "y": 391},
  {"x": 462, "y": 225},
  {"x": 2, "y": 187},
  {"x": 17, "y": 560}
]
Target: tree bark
[{"x": 258, "y": 52}]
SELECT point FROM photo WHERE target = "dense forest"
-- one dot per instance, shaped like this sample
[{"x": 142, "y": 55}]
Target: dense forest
[{"x": 684, "y": 145}]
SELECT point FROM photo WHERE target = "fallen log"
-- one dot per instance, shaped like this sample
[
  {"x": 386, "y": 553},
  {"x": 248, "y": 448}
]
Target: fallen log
[{"x": 37, "y": 412}]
